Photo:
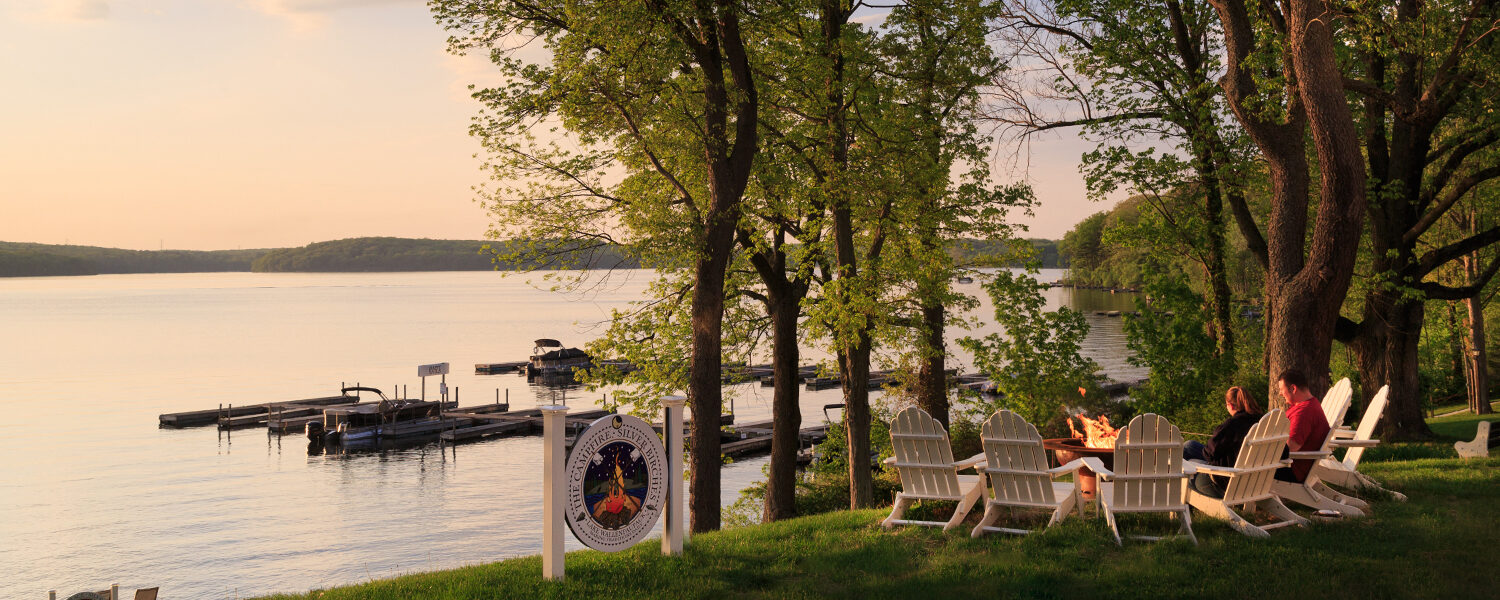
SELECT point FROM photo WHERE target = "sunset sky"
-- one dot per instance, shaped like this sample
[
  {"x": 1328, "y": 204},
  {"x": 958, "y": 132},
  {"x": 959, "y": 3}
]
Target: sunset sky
[{"x": 219, "y": 124}]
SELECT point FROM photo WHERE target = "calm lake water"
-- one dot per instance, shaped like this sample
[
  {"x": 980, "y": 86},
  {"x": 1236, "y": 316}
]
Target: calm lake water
[{"x": 92, "y": 492}]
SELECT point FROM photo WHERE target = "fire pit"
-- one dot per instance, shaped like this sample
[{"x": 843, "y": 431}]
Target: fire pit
[{"x": 1067, "y": 449}]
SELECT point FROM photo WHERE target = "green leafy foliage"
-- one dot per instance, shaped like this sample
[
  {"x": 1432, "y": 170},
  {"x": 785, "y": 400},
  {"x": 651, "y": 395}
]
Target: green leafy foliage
[
  {"x": 1188, "y": 377},
  {"x": 1035, "y": 364}
]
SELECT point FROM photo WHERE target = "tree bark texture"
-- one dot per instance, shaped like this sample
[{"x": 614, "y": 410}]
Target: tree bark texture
[
  {"x": 932, "y": 376},
  {"x": 1392, "y": 334},
  {"x": 786, "y": 410},
  {"x": 1307, "y": 278},
  {"x": 718, "y": 47},
  {"x": 856, "y": 373},
  {"x": 854, "y": 354},
  {"x": 1476, "y": 359}
]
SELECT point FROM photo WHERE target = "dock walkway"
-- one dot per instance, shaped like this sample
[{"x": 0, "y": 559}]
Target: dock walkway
[{"x": 199, "y": 418}]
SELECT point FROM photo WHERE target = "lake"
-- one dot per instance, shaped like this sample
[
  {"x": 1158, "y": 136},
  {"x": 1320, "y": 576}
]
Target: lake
[{"x": 93, "y": 492}]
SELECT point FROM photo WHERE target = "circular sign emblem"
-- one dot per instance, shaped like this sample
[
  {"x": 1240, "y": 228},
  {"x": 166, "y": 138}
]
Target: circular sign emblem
[{"x": 617, "y": 483}]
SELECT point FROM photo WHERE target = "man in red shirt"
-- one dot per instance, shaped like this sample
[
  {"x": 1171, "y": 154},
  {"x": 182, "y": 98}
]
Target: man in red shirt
[{"x": 1309, "y": 426}]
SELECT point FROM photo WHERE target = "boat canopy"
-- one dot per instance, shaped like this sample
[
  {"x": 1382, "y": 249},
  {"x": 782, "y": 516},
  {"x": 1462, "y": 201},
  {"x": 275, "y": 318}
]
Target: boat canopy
[{"x": 548, "y": 343}]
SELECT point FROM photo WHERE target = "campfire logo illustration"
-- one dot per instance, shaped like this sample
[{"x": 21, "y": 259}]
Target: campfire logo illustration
[{"x": 616, "y": 484}]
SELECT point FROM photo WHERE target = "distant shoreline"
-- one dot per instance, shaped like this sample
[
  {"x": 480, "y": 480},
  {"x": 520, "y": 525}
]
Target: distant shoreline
[{"x": 353, "y": 255}]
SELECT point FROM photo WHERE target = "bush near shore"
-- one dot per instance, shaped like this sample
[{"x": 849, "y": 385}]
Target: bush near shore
[{"x": 1437, "y": 545}]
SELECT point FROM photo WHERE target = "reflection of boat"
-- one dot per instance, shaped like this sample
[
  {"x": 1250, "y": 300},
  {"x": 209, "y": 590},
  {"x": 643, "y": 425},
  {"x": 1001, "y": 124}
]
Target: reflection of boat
[
  {"x": 387, "y": 419},
  {"x": 559, "y": 361}
]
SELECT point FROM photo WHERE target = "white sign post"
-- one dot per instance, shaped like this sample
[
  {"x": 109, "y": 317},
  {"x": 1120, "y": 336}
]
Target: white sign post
[
  {"x": 672, "y": 529},
  {"x": 434, "y": 369},
  {"x": 554, "y": 489}
]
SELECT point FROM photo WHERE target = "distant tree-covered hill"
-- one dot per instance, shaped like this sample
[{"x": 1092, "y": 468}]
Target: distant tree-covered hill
[
  {"x": 1001, "y": 254},
  {"x": 20, "y": 259},
  {"x": 400, "y": 254}
]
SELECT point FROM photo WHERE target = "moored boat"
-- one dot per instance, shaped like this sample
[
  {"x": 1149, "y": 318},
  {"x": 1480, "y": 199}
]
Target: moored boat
[{"x": 547, "y": 361}]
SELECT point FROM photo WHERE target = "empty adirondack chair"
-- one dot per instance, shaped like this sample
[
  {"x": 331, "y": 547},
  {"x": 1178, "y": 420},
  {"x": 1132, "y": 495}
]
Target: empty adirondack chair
[
  {"x": 1016, "y": 468},
  {"x": 1251, "y": 478},
  {"x": 1309, "y": 493},
  {"x": 1147, "y": 477},
  {"x": 1345, "y": 473},
  {"x": 924, "y": 460},
  {"x": 1336, "y": 403}
]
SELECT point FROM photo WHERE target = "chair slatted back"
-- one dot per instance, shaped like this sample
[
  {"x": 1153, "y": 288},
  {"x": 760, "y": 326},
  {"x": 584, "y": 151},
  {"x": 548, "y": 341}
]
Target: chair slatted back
[
  {"x": 1367, "y": 426},
  {"x": 1334, "y": 407},
  {"x": 924, "y": 458},
  {"x": 1016, "y": 463},
  {"x": 1260, "y": 456},
  {"x": 1148, "y": 465},
  {"x": 1336, "y": 402}
]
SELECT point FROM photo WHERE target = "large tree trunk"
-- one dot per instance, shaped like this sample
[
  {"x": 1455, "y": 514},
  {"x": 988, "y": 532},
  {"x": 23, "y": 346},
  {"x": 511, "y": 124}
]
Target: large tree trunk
[
  {"x": 1387, "y": 348},
  {"x": 786, "y": 410},
  {"x": 1307, "y": 300},
  {"x": 705, "y": 395},
  {"x": 856, "y": 373},
  {"x": 1476, "y": 359},
  {"x": 854, "y": 354},
  {"x": 932, "y": 376},
  {"x": 729, "y": 156}
]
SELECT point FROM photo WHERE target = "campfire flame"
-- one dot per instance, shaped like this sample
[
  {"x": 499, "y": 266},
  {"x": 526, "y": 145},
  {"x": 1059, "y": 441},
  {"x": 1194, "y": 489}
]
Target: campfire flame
[{"x": 1097, "y": 433}]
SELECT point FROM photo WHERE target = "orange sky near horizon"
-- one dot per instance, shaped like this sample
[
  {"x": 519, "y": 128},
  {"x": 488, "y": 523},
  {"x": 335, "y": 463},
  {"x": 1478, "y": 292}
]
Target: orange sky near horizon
[{"x": 186, "y": 124}]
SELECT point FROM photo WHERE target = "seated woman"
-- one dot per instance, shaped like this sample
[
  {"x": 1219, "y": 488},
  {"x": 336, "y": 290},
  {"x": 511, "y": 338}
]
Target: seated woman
[{"x": 1224, "y": 446}]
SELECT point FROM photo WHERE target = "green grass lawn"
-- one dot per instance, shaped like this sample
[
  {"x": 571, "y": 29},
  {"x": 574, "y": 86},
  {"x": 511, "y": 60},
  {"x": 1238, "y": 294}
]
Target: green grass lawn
[
  {"x": 1440, "y": 544},
  {"x": 1447, "y": 408}
]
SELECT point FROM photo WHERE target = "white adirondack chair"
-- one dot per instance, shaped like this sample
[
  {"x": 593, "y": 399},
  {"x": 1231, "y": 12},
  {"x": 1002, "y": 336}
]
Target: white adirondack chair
[
  {"x": 1310, "y": 492},
  {"x": 1336, "y": 403},
  {"x": 1345, "y": 473},
  {"x": 925, "y": 462},
  {"x": 1147, "y": 477},
  {"x": 1016, "y": 467},
  {"x": 1251, "y": 478}
]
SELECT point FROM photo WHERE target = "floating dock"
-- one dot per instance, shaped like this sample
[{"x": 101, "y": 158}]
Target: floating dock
[{"x": 199, "y": 418}]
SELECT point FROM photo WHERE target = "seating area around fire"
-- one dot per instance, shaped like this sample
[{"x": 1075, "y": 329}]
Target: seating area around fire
[{"x": 1145, "y": 473}]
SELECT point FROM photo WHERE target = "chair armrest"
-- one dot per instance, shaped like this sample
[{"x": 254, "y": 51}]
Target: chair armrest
[
  {"x": 1342, "y": 433},
  {"x": 889, "y": 461},
  {"x": 1354, "y": 443},
  {"x": 1190, "y": 467},
  {"x": 1310, "y": 455},
  {"x": 1072, "y": 466},
  {"x": 1097, "y": 466},
  {"x": 1215, "y": 469},
  {"x": 977, "y": 460}
]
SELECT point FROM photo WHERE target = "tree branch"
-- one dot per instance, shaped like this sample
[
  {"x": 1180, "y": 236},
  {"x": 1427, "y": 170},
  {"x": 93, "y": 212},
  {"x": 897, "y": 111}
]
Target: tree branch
[
  {"x": 1437, "y": 258},
  {"x": 1447, "y": 201},
  {"x": 1438, "y": 291}
]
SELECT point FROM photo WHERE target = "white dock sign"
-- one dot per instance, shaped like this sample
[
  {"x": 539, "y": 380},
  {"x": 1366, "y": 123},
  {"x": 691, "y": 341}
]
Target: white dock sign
[{"x": 437, "y": 369}]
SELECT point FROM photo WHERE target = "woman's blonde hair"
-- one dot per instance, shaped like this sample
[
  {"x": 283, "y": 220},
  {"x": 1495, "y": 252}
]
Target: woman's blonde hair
[{"x": 1240, "y": 401}]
